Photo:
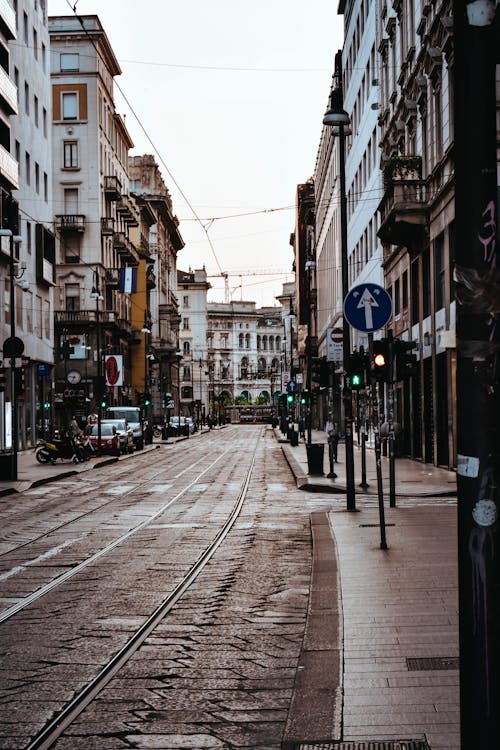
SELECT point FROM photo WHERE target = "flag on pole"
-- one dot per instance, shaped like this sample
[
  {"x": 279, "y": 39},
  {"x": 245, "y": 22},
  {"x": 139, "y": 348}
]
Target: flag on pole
[{"x": 128, "y": 280}]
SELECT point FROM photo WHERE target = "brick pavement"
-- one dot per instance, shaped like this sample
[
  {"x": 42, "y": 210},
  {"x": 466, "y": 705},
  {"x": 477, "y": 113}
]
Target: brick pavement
[{"x": 398, "y": 614}]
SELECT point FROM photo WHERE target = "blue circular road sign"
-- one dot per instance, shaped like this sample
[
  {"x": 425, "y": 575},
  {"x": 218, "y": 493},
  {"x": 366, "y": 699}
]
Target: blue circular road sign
[{"x": 367, "y": 307}]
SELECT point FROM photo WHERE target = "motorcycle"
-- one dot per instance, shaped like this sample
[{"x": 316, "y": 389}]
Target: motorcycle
[{"x": 48, "y": 451}]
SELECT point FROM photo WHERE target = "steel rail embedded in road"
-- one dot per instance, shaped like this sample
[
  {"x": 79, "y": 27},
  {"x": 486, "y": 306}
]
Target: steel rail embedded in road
[
  {"x": 46, "y": 738},
  {"x": 26, "y": 601}
]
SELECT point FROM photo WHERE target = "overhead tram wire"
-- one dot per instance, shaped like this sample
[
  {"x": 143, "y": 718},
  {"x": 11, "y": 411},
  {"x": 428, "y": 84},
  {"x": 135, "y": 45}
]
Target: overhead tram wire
[{"x": 186, "y": 199}]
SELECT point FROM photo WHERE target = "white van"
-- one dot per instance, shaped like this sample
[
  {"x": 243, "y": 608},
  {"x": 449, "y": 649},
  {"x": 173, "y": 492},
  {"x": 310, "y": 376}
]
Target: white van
[{"x": 134, "y": 418}]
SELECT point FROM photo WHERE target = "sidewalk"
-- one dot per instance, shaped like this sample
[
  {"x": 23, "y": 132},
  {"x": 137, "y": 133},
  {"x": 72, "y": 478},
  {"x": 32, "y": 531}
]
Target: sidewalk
[
  {"x": 379, "y": 661},
  {"x": 413, "y": 478}
]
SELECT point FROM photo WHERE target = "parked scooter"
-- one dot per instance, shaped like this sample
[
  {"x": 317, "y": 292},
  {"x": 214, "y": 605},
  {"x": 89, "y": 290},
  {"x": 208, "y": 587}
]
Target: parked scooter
[{"x": 70, "y": 447}]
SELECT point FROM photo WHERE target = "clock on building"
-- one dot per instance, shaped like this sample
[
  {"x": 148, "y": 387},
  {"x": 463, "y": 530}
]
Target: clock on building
[{"x": 73, "y": 377}]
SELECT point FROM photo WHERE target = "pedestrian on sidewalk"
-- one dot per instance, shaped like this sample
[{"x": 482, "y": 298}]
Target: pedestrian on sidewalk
[{"x": 333, "y": 437}]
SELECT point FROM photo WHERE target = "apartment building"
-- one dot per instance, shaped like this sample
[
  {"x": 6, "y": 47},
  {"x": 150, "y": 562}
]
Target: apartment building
[
  {"x": 417, "y": 214},
  {"x": 155, "y": 314},
  {"x": 94, "y": 214},
  {"x": 192, "y": 289},
  {"x": 12, "y": 304}
]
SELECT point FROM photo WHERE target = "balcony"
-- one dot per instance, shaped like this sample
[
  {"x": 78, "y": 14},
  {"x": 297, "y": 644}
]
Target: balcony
[
  {"x": 112, "y": 188},
  {"x": 128, "y": 211},
  {"x": 9, "y": 168},
  {"x": 8, "y": 92},
  {"x": 7, "y": 20},
  {"x": 125, "y": 248},
  {"x": 112, "y": 277},
  {"x": 404, "y": 214},
  {"x": 83, "y": 317},
  {"x": 107, "y": 225},
  {"x": 70, "y": 223}
]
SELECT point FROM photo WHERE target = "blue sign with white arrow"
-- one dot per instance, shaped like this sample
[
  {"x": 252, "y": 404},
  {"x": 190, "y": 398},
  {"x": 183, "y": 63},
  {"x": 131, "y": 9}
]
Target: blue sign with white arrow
[{"x": 368, "y": 307}]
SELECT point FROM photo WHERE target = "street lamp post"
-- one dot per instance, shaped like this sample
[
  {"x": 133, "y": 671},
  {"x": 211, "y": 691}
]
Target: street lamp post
[
  {"x": 96, "y": 294},
  {"x": 10, "y": 349},
  {"x": 179, "y": 358},
  {"x": 337, "y": 118}
]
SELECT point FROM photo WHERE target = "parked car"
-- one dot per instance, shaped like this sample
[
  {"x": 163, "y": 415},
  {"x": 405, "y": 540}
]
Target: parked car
[
  {"x": 110, "y": 440},
  {"x": 178, "y": 426},
  {"x": 134, "y": 418},
  {"x": 124, "y": 432}
]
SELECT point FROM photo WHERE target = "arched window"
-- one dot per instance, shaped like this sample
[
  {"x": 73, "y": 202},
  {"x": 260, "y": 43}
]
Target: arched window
[
  {"x": 240, "y": 340},
  {"x": 258, "y": 342},
  {"x": 247, "y": 341},
  {"x": 275, "y": 365},
  {"x": 261, "y": 367},
  {"x": 244, "y": 367},
  {"x": 271, "y": 343},
  {"x": 278, "y": 343},
  {"x": 186, "y": 348}
]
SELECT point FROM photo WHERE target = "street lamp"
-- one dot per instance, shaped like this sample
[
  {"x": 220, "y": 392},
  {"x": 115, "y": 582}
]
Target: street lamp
[
  {"x": 338, "y": 119},
  {"x": 101, "y": 383},
  {"x": 10, "y": 349},
  {"x": 178, "y": 356}
]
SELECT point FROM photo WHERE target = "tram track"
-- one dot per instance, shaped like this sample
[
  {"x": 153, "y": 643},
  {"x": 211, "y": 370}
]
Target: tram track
[
  {"x": 77, "y": 568},
  {"x": 114, "y": 472},
  {"x": 56, "y": 727}
]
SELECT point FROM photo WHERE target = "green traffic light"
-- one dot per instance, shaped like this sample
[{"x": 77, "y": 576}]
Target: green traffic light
[
  {"x": 290, "y": 398},
  {"x": 356, "y": 380}
]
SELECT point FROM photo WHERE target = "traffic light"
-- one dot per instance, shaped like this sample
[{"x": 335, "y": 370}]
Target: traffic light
[
  {"x": 356, "y": 371},
  {"x": 290, "y": 399},
  {"x": 319, "y": 371},
  {"x": 104, "y": 400},
  {"x": 140, "y": 398},
  {"x": 304, "y": 398},
  {"x": 147, "y": 399},
  {"x": 406, "y": 362},
  {"x": 20, "y": 380},
  {"x": 380, "y": 360},
  {"x": 3, "y": 379}
]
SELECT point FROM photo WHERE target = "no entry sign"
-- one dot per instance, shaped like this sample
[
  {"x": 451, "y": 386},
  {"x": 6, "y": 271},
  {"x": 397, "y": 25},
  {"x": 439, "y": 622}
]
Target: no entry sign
[{"x": 334, "y": 338}]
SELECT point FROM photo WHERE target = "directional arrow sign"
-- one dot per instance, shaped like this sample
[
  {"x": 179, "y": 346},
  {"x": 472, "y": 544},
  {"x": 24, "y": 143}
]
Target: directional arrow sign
[{"x": 367, "y": 307}]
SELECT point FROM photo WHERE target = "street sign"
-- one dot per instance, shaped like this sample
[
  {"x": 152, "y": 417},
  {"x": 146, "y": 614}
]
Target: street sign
[
  {"x": 169, "y": 405},
  {"x": 334, "y": 339},
  {"x": 13, "y": 347},
  {"x": 291, "y": 386},
  {"x": 43, "y": 370},
  {"x": 367, "y": 307}
]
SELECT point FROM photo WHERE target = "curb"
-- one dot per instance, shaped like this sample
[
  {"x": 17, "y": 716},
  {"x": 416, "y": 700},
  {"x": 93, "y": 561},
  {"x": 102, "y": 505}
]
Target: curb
[{"x": 315, "y": 712}]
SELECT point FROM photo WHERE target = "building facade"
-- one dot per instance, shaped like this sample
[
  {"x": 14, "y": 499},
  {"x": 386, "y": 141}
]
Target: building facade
[
  {"x": 34, "y": 275},
  {"x": 94, "y": 216},
  {"x": 192, "y": 291},
  {"x": 417, "y": 215}
]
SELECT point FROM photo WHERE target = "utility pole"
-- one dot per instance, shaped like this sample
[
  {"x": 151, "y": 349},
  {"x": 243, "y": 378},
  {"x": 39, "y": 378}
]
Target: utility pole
[{"x": 478, "y": 371}]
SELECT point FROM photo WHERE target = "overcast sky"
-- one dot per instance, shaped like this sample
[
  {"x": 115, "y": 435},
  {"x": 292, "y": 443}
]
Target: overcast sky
[{"x": 229, "y": 96}]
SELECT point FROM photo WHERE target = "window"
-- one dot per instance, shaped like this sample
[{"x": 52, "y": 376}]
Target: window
[
  {"x": 46, "y": 319},
  {"x": 25, "y": 27},
  {"x": 70, "y": 154},
  {"x": 439, "y": 272},
  {"x": 72, "y": 293},
  {"x": 28, "y": 168},
  {"x": 35, "y": 103},
  {"x": 37, "y": 177},
  {"x": 29, "y": 245},
  {"x": 186, "y": 348},
  {"x": 397, "y": 303},
  {"x": 69, "y": 61},
  {"x": 185, "y": 300},
  {"x": 426, "y": 283},
  {"x": 45, "y": 187},
  {"x": 44, "y": 121},
  {"x": 44, "y": 58},
  {"x": 17, "y": 151},
  {"x": 35, "y": 44},
  {"x": 404, "y": 290},
  {"x": 186, "y": 373},
  {"x": 69, "y": 106},
  {"x": 185, "y": 324},
  {"x": 26, "y": 98}
]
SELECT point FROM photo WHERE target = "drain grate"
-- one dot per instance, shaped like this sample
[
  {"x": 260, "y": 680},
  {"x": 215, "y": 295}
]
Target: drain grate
[
  {"x": 365, "y": 745},
  {"x": 432, "y": 663}
]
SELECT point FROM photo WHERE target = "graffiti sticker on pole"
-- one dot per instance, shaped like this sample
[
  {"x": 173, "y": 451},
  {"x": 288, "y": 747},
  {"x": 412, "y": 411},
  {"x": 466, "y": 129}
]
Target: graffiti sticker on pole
[{"x": 368, "y": 307}]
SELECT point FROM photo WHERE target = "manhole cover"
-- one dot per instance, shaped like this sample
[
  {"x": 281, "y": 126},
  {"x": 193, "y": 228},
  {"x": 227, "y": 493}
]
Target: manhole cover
[{"x": 432, "y": 663}]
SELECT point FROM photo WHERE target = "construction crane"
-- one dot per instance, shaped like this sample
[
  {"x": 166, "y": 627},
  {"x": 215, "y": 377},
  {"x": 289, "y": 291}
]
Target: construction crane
[{"x": 225, "y": 275}]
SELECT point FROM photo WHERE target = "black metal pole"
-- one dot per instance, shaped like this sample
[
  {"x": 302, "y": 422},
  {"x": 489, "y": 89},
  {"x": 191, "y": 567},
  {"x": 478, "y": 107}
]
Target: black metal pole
[
  {"x": 390, "y": 420},
  {"x": 378, "y": 452},
  {"x": 478, "y": 370},
  {"x": 346, "y": 331},
  {"x": 99, "y": 366},
  {"x": 13, "y": 382}
]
